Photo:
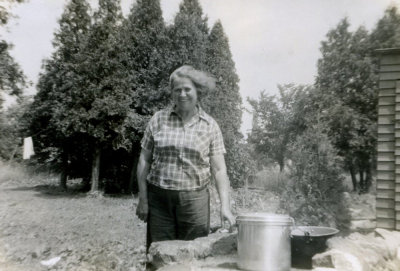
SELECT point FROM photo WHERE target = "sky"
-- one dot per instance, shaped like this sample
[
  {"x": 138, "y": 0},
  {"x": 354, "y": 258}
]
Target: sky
[{"x": 272, "y": 41}]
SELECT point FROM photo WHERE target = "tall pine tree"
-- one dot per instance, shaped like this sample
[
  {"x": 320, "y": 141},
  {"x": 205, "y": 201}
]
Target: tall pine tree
[
  {"x": 56, "y": 82},
  {"x": 145, "y": 43},
  {"x": 189, "y": 36},
  {"x": 224, "y": 104},
  {"x": 103, "y": 107},
  {"x": 386, "y": 34},
  {"x": 145, "y": 65}
]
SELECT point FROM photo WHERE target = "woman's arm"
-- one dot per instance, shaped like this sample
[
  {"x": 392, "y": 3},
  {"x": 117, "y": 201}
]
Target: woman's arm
[
  {"x": 218, "y": 169},
  {"x": 143, "y": 168}
]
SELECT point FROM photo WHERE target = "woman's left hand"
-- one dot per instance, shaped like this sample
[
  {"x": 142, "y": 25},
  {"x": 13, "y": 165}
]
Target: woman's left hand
[{"x": 226, "y": 215}]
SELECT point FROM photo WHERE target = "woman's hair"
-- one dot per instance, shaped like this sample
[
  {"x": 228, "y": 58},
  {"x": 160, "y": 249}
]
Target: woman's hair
[{"x": 202, "y": 81}]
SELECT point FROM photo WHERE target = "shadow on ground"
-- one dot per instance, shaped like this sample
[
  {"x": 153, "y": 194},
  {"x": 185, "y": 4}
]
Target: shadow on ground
[
  {"x": 53, "y": 191},
  {"x": 76, "y": 191}
]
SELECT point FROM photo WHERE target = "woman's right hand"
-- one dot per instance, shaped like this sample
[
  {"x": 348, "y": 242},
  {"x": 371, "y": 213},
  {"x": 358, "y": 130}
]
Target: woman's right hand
[{"x": 142, "y": 210}]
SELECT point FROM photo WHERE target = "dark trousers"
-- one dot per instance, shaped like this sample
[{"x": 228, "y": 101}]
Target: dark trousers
[{"x": 177, "y": 215}]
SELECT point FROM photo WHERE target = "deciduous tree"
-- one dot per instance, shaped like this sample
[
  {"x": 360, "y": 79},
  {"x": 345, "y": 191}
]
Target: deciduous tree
[
  {"x": 347, "y": 96},
  {"x": 278, "y": 120}
]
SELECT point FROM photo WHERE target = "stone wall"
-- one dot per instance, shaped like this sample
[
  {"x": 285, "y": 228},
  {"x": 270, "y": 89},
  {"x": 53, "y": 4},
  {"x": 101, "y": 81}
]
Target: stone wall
[{"x": 378, "y": 250}]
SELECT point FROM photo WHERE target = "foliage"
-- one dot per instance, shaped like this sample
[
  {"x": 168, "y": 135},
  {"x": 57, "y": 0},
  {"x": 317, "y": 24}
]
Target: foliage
[
  {"x": 144, "y": 46},
  {"x": 12, "y": 82},
  {"x": 314, "y": 193},
  {"x": 224, "y": 104},
  {"x": 4, "y": 12},
  {"x": 99, "y": 107},
  {"x": 386, "y": 33},
  {"x": 346, "y": 76},
  {"x": 277, "y": 122},
  {"x": 189, "y": 36},
  {"x": 12, "y": 127},
  {"x": 57, "y": 82},
  {"x": 12, "y": 79}
]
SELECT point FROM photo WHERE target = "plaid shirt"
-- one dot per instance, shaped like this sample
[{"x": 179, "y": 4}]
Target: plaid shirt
[{"x": 181, "y": 152}]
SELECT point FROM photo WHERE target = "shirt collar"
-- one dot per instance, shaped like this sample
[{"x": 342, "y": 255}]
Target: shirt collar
[{"x": 200, "y": 112}]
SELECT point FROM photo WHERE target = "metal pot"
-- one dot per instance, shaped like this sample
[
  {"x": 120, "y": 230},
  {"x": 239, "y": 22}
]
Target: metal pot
[
  {"x": 264, "y": 242},
  {"x": 306, "y": 241}
]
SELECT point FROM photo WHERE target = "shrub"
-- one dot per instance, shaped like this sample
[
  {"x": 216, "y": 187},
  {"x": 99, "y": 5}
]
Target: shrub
[
  {"x": 239, "y": 164},
  {"x": 314, "y": 192}
]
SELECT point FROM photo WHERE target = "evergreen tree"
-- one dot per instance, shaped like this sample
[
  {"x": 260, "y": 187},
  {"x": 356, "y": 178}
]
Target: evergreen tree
[
  {"x": 386, "y": 34},
  {"x": 145, "y": 66},
  {"x": 224, "y": 104},
  {"x": 189, "y": 36},
  {"x": 145, "y": 44},
  {"x": 99, "y": 108},
  {"x": 55, "y": 85}
]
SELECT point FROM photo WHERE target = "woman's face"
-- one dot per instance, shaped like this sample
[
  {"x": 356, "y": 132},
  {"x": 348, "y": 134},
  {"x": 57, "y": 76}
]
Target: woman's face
[{"x": 184, "y": 94}]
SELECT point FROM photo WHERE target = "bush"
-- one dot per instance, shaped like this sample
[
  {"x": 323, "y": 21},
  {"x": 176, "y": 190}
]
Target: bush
[
  {"x": 239, "y": 164},
  {"x": 270, "y": 178},
  {"x": 313, "y": 194}
]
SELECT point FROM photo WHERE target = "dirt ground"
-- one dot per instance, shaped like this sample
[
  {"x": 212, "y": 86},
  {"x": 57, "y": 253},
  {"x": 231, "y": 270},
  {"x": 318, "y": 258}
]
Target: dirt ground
[{"x": 39, "y": 223}]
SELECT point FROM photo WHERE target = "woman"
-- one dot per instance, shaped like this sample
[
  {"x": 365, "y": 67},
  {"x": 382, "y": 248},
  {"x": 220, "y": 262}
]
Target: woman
[{"x": 181, "y": 148}]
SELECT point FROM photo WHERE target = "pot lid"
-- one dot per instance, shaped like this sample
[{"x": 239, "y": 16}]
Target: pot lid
[{"x": 264, "y": 217}]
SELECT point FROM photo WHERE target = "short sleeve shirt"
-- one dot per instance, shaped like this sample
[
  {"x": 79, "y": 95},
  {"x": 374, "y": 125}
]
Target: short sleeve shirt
[{"x": 181, "y": 152}]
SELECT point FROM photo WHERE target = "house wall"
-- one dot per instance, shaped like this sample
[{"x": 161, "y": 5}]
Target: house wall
[{"x": 388, "y": 160}]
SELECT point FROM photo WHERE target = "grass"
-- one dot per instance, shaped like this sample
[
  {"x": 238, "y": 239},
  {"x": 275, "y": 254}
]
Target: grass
[
  {"x": 39, "y": 222},
  {"x": 270, "y": 179},
  {"x": 16, "y": 174}
]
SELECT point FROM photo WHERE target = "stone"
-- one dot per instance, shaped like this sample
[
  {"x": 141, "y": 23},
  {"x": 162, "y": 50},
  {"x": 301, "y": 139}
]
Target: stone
[
  {"x": 324, "y": 269},
  {"x": 177, "y": 251},
  {"x": 391, "y": 240},
  {"x": 364, "y": 225},
  {"x": 178, "y": 267},
  {"x": 371, "y": 251},
  {"x": 323, "y": 260},
  {"x": 338, "y": 260}
]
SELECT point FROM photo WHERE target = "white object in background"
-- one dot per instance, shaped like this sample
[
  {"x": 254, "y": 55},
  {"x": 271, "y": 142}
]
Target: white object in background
[
  {"x": 28, "y": 148},
  {"x": 51, "y": 262}
]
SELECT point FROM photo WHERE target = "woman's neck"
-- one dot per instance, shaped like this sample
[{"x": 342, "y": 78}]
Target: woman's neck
[{"x": 186, "y": 115}]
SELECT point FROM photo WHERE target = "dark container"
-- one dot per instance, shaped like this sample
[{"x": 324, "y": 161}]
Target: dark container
[{"x": 306, "y": 241}]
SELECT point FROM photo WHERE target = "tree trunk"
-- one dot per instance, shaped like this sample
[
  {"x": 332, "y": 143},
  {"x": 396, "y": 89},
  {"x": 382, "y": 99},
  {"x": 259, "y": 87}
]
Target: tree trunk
[
  {"x": 63, "y": 179},
  {"x": 85, "y": 184},
  {"x": 95, "y": 170},
  {"x": 281, "y": 165},
  {"x": 133, "y": 185},
  {"x": 353, "y": 177},
  {"x": 362, "y": 180},
  {"x": 12, "y": 155},
  {"x": 368, "y": 177},
  {"x": 64, "y": 170}
]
